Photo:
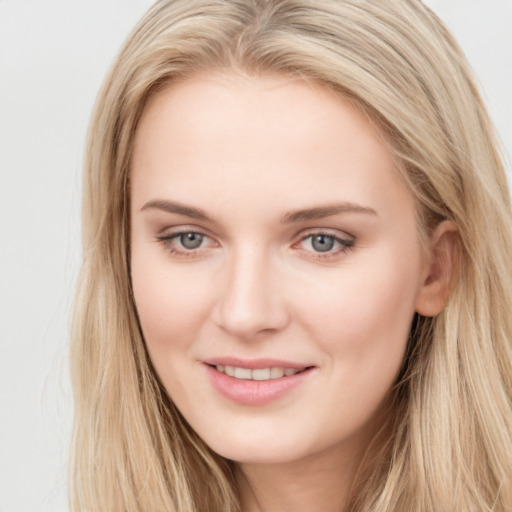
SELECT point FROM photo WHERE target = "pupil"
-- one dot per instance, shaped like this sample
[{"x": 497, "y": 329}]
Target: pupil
[
  {"x": 191, "y": 240},
  {"x": 322, "y": 243}
]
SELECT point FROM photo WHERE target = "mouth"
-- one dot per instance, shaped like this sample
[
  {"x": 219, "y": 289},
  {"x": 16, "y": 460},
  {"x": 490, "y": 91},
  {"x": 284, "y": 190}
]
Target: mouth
[
  {"x": 256, "y": 382},
  {"x": 258, "y": 374}
]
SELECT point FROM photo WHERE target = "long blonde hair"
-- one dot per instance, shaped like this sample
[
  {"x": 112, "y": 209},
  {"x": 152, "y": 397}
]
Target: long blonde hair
[{"x": 451, "y": 442}]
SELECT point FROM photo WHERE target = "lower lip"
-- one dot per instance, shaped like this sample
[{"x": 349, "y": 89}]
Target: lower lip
[{"x": 254, "y": 392}]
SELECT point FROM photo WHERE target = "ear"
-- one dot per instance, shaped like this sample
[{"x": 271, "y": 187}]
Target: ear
[{"x": 440, "y": 271}]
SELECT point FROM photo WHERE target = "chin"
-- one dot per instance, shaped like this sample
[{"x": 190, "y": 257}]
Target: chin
[
  {"x": 255, "y": 448},
  {"x": 257, "y": 455}
]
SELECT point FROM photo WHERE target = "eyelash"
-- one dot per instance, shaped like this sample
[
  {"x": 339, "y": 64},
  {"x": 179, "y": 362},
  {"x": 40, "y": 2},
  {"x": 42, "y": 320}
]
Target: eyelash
[
  {"x": 168, "y": 239},
  {"x": 344, "y": 244}
]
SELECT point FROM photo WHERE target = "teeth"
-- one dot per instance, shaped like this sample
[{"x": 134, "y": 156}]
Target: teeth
[
  {"x": 243, "y": 373},
  {"x": 261, "y": 374},
  {"x": 276, "y": 373},
  {"x": 257, "y": 374}
]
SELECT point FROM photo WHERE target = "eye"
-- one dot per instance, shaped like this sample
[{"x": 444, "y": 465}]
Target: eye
[
  {"x": 186, "y": 242},
  {"x": 322, "y": 243},
  {"x": 325, "y": 244},
  {"x": 191, "y": 240}
]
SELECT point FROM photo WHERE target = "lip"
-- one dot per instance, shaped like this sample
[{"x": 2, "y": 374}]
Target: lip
[
  {"x": 255, "y": 364},
  {"x": 252, "y": 392}
]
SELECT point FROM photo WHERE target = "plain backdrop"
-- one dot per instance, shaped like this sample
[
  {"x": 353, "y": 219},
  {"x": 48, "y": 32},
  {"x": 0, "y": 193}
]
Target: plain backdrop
[{"x": 53, "y": 56}]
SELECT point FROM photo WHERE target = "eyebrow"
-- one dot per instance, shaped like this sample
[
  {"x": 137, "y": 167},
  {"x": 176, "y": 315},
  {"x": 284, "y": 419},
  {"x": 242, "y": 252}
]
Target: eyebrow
[
  {"x": 317, "y": 212},
  {"x": 174, "y": 207}
]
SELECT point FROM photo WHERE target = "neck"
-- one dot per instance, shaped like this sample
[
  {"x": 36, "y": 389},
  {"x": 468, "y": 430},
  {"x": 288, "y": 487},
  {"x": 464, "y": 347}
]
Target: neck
[
  {"x": 322, "y": 481},
  {"x": 319, "y": 482}
]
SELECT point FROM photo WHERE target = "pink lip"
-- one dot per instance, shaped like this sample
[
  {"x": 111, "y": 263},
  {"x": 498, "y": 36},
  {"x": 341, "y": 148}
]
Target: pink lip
[
  {"x": 252, "y": 392},
  {"x": 254, "y": 364}
]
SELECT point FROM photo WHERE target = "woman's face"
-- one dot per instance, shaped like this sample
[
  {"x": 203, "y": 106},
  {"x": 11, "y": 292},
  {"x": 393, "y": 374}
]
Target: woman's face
[{"x": 276, "y": 263}]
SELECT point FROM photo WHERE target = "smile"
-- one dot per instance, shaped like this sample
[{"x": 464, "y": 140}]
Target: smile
[
  {"x": 256, "y": 382},
  {"x": 259, "y": 374}
]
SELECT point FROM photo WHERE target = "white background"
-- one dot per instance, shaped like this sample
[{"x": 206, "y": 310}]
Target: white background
[{"x": 53, "y": 56}]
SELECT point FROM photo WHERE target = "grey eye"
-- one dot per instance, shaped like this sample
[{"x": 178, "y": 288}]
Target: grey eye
[
  {"x": 191, "y": 240},
  {"x": 322, "y": 243}
]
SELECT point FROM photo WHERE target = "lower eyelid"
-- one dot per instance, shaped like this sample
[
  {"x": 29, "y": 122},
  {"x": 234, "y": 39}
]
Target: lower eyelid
[
  {"x": 168, "y": 241},
  {"x": 344, "y": 245}
]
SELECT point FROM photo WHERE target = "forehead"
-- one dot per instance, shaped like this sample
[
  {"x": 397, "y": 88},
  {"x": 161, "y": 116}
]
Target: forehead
[
  {"x": 226, "y": 136},
  {"x": 268, "y": 107}
]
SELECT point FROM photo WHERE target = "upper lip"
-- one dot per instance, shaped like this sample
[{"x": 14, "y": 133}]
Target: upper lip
[{"x": 255, "y": 364}]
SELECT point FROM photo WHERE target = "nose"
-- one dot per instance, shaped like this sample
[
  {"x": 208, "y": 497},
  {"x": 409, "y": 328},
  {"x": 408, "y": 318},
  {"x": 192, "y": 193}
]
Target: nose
[{"x": 250, "y": 303}]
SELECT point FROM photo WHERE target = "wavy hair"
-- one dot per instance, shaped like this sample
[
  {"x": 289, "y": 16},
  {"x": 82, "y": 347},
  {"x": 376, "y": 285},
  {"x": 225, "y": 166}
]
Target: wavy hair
[{"x": 450, "y": 447}]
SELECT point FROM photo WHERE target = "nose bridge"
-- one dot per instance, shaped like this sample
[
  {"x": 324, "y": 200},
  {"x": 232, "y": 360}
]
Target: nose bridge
[{"x": 251, "y": 301}]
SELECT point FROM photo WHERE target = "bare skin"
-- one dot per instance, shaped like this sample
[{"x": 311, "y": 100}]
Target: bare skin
[
  {"x": 269, "y": 223},
  {"x": 295, "y": 486}
]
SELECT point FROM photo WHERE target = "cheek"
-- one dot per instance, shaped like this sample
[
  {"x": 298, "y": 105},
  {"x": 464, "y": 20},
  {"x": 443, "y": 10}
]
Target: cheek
[
  {"x": 361, "y": 327},
  {"x": 363, "y": 321},
  {"x": 171, "y": 303}
]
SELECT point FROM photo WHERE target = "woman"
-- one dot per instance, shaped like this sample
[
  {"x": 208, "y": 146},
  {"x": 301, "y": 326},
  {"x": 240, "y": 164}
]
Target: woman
[{"x": 296, "y": 286}]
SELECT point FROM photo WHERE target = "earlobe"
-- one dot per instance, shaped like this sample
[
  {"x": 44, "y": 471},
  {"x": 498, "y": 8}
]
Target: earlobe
[{"x": 442, "y": 269}]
